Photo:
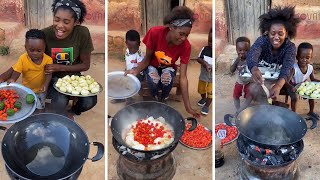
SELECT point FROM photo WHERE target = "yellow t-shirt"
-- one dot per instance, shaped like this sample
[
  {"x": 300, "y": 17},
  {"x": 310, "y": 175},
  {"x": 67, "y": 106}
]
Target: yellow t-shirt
[{"x": 33, "y": 75}]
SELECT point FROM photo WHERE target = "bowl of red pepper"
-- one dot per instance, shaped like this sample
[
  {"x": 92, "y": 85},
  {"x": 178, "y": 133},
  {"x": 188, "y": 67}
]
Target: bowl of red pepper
[{"x": 199, "y": 139}]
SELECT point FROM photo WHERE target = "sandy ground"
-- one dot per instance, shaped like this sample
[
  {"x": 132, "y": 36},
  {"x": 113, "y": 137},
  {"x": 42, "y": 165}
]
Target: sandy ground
[
  {"x": 191, "y": 164},
  {"x": 92, "y": 121},
  {"x": 308, "y": 162}
]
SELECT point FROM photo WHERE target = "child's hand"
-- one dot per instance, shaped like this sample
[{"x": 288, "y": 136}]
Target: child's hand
[
  {"x": 208, "y": 67},
  {"x": 43, "y": 89},
  {"x": 10, "y": 81}
]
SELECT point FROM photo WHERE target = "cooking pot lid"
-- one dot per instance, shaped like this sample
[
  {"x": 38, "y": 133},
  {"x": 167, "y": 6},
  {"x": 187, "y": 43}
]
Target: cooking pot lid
[
  {"x": 122, "y": 87},
  {"x": 271, "y": 125}
]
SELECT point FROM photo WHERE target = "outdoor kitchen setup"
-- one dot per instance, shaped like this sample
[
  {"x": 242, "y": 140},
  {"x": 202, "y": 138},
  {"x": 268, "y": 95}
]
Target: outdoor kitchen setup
[
  {"x": 269, "y": 143},
  {"x": 142, "y": 164}
]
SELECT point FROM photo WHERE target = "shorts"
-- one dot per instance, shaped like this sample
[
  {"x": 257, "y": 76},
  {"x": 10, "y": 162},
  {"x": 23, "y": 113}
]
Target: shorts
[
  {"x": 205, "y": 88},
  {"x": 239, "y": 89},
  {"x": 293, "y": 95},
  {"x": 41, "y": 103}
]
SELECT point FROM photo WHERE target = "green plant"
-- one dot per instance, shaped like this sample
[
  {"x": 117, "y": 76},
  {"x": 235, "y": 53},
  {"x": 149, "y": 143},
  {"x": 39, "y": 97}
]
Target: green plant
[{"x": 4, "y": 50}]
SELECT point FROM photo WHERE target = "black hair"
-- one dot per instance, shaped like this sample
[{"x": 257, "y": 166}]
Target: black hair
[
  {"x": 133, "y": 35},
  {"x": 77, "y": 2},
  {"x": 243, "y": 39},
  {"x": 179, "y": 12},
  {"x": 304, "y": 45},
  {"x": 285, "y": 16},
  {"x": 35, "y": 34}
]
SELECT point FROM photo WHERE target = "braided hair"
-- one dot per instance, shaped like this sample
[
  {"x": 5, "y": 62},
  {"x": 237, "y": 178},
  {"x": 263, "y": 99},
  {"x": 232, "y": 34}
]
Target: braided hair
[
  {"x": 278, "y": 15},
  {"x": 79, "y": 5}
]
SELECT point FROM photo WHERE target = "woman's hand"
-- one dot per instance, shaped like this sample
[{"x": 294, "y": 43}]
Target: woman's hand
[
  {"x": 194, "y": 113},
  {"x": 131, "y": 71},
  {"x": 256, "y": 75},
  {"x": 50, "y": 68},
  {"x": 275, "y": 91}
]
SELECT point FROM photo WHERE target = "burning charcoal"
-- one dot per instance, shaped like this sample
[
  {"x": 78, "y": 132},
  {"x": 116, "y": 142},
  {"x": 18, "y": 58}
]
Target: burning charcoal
[
  {"x": 280, "y": 159},
  {"x": 264, "y": 161},
  {"x": 273, "y": 160},
  {"x": 293, "y": 155}
]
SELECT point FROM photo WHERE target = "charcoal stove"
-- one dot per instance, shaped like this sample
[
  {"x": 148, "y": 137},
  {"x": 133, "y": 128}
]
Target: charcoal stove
[
  {"x": 260, "y": 161},
  {"x": 131, "y": 164},
  {"x": 15, "y": 177}
]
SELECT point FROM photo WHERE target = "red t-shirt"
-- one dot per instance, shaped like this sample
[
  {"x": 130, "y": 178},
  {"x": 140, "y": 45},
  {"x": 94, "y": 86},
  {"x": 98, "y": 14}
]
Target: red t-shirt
[{"x": 165, "y": 56}]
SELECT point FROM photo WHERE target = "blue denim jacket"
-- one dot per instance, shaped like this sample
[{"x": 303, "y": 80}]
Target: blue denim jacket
[{"x": 262, "y": 50}]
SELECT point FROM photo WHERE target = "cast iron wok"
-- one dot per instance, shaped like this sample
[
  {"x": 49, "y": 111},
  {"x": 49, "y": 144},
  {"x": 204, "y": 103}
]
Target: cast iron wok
[
  {"x": 47, "y": 146},
  {"x": 131, "y": 113},
  {"x": 270, "y": 125}
]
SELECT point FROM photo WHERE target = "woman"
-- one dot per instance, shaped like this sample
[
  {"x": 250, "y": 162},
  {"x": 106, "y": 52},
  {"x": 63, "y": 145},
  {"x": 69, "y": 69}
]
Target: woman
[
  {"x": 66, "y": 32},
  {"x": 165, "y": 45},
  {"x": 278, "y": 26}
]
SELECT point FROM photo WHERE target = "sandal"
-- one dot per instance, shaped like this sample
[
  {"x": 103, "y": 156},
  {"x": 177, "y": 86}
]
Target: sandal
[{"x": 314, "y": 115}]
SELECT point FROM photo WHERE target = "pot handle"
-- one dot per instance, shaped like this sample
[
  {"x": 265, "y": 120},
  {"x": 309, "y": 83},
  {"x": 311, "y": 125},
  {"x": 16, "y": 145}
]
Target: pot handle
[
  {"x": 3, "y": 128},
  {"x": 193, "y": 123},
  {"x": 100, "y": 151},
  {"x": 109, "y": 120},
  {"x": 227, "y": 119},
  {"x": 314, "y": 122}
]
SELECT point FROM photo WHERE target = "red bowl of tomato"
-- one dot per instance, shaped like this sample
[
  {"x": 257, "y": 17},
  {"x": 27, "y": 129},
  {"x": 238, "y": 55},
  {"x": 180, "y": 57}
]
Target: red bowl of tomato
[
  {"x": 232, "y": 133},
  {"x": 200, "y": 138}
]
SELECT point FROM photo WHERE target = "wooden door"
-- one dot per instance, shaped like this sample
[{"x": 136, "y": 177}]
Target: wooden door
[
  {"x": 153, "y": 12},
  {"x": 243, "y": 18},
  {"x": 38, "y": 13}
]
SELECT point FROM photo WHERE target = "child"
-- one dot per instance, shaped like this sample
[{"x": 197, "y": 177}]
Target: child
[
  {"x": 133, "y": 57},
  {"x": 205, "y": 79},
  {"x": 31, "y": 65},
  {"x": 301, "y": 72},
  {"x": 242, "y": 47}
]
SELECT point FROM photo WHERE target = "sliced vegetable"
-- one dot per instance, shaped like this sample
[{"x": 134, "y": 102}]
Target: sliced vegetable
[{"x": 198, "y": 138}]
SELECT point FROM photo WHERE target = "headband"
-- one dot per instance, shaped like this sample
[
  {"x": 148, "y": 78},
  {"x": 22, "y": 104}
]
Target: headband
[
  {"x": 70, "y": 4},
  {"x": 182, "y": 22}
]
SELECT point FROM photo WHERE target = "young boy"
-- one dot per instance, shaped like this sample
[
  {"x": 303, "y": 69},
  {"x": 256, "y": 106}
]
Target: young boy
[
  {"x": 301, "y": 72},
  {"x": 240, "y": 87},
  {"x": 31, "y": 65},
  {"x": 133, "y": 57},
  {"x": 205, "y": 79}
]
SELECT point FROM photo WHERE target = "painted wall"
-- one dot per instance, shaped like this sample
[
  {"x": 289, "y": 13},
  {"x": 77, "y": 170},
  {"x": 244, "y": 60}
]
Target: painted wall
[
  {"x": 308, "y": 29},
  {"x": 126, "y": 14},
  {"x": 12, "y": 11}
]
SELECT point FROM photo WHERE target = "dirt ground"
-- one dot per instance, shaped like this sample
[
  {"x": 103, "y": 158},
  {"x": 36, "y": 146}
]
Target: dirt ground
[
  {"x": 92, "y": 121},
  {"x": 308, "y": 162},
  {"x": 191, "y": 164}
]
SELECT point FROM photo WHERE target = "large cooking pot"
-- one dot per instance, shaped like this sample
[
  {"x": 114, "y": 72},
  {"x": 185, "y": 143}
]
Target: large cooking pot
[
  {"x": 47, "y": 146},
  {"x": 270, "y": 125},
  {"x": 131, "y": 113}
]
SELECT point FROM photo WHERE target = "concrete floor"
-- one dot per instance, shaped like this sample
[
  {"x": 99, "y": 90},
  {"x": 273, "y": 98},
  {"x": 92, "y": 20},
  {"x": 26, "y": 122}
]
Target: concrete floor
[
  {"x": 191, "y": 164},
  {"x": 92, "y": 121},
  {"x": 308, "y": 161}
]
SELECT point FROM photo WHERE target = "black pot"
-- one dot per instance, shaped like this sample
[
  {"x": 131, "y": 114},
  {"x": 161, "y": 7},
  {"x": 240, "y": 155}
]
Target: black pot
[
  {"x": 131, "y": 113},
  {"x": 270, "y": 125},
  {"x": 46, "y": 146}
]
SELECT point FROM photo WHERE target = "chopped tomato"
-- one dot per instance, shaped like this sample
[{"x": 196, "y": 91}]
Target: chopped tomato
[
  {"x": 198, "y": 138},
  {"x": 232, "y": 132}
]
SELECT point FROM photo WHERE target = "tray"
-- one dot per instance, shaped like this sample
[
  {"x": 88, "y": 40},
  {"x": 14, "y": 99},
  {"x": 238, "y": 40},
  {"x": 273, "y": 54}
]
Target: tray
[
  {"x": 227, "y": 132},
  {"x": 122, "y": 87},
  {"x": 79, "y": 95},
  {"x": 206, "y": 128},
  {"x": 305, "y": 96},
  {"x": 27, "y": 109}
]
